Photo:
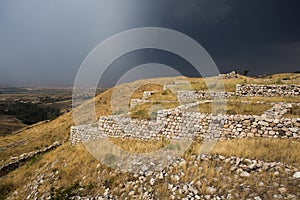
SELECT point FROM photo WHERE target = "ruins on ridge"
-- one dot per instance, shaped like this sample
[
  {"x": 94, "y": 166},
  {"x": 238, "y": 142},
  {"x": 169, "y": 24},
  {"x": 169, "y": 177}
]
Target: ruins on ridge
[{"x": 184, "y": 122}]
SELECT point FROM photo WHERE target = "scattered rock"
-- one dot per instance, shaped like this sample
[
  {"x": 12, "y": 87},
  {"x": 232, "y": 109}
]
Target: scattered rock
[
  {"x": 211, "y": 190},
  {"x": 152, "y": 180},
  {"x": 131, "y": 193},
  {"x": 282, "y": 190},
  {"x": 244, "y": 174},
  {"x": 296, "y": 175}
]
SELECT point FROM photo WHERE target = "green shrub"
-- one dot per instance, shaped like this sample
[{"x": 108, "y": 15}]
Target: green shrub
[
  {"x": 165, "y": 92},
  {"x": 118, "y": 112},
  {"x": 108, "y": 182},
  {"x": 278, "y": 81},
  {"x": 34, "y": 159},
  {"x": 110, "y": 159},
  {"x": 294, "y": 112},
  {"x": 29, "y": 113},
  {"x": 140, "y": 114},
  {"x": 65, "y": 193},
  {"x": 5, "y": 189},
  {"x": 174, "y": 146}
]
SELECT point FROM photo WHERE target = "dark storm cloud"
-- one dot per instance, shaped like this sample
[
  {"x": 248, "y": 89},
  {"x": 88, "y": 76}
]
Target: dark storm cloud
[
  {"x": 201, "y": 12},
  {"x": 43, "y": 42},
  {"x": 244, "y": 34}
]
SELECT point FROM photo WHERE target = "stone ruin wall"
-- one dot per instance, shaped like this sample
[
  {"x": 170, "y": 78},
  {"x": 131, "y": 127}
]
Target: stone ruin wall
[
  {"x": 146, "y": 95},
  {"x": 242, "y": 90},
  {"x": 22, "y": 159},
  {"x": 267, "y": 90},
  {"x": 182, "y": 96},
  {"x": 180, "y": 123},
  {"x": 187, "y": 96}
]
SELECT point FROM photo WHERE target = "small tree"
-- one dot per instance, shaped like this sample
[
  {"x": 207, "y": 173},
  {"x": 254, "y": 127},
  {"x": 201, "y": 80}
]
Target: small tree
[{"x": 245, "y": 72}]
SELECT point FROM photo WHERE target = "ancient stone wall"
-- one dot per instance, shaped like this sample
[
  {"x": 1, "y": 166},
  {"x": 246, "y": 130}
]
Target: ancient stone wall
[
  {"x": 84, "y": 133},
  {"x": 187, "y": 96},
  {"x": 184, "y": 122},
  {"x": 136, "y": 102},
  {"x": 22, "y": 159},
  {"x": 181, "y": 123},
  {"x": 267, "y": 90}
]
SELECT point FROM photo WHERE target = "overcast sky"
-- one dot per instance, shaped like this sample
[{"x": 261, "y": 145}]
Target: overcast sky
[{"x": 43, "y": 42}]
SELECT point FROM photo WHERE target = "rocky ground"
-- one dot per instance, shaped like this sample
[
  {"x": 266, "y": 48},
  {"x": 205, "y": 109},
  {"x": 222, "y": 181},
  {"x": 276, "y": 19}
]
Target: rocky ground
[{"x": 195, "y": 177}]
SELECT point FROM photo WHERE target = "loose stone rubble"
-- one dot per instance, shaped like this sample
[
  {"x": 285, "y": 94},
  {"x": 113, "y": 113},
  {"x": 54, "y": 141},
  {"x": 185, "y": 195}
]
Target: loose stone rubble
[
  {"x": 230, "y": 75},
  {"x": 234, "y": 174},
  {"x": 278, "y": 110}
]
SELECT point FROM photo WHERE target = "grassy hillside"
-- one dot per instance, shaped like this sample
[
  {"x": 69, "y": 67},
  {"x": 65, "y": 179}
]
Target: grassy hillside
[
  {"x": 9, "y": 123},
  {"x": 72, "y": 170},
  {"x": 67, "y": 165}
]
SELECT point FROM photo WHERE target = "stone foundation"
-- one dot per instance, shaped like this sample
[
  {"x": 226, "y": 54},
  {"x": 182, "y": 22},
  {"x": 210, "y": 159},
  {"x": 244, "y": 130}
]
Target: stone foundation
[
  {"x": 184, "y": 122},
  {"x": 267, "y": 90},
  {"x": 181, "y": 123},
  {"x": 188, "y": 96}
]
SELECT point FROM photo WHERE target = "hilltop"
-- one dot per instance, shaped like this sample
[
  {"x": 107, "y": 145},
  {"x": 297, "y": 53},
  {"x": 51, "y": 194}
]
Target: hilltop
[{"x": 69, "y": 170}]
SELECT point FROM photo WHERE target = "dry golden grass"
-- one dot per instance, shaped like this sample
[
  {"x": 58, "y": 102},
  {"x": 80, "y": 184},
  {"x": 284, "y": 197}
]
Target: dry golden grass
[
  {"x": 198, "y": 84},
  {"x": 78, "y": 161},
  {"x": 149, "y": 110},
  {"x": 293, "y": 113},
  {"x": 72, "y": 164},
  {"x": 283, "y": 150},
  {"x": 237, "y": 107},
  {"x": 230, "y": 84},
  {"x": 284, "y": 78},
  {"x": 166, "y": 95},
  {"x": 9, "y": 124},
  {"x": 268, "y": 149},
  {"x": 138, "y": 93},
  {"x": 37, "y": 137},
  {"x": 139, "y": 146}
]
